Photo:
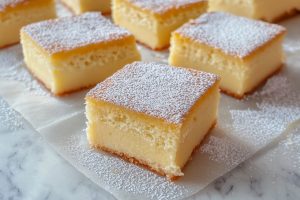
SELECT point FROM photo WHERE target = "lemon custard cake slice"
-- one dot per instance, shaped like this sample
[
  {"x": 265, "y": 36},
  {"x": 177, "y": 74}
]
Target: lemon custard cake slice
[
  {"x": 14, "y": 14},
  {"x": 72, "y": 53},
  {"x": 153, "y": 114},
  {"x": 152, "y": 21},
  {"x": 268, "y": 10},
  {"x": 244, "y": 52},
  {"x": 81, "y": 6}
]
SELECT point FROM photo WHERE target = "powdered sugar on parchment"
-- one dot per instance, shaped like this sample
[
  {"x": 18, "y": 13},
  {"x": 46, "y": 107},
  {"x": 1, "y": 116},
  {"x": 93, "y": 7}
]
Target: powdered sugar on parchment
[
  {"x": 255, "y": 121},
  {"x": 224, "y": 150},
  {"x": 121, "y": 175},
  {"x": 9, "y": 117},
  {"x": 13, "y": 68},
  {"x": 278, "y": 105}
]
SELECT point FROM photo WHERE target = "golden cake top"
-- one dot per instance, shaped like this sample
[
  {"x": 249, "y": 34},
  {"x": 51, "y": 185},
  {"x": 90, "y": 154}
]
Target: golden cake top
[
  {"x": 236, "y": 36},
  {"x": 162, "y": 6},
  {"x": 10, "y": 3},
  {"x": 69, "y": 33},
  {"x": 155, "y": 89}
]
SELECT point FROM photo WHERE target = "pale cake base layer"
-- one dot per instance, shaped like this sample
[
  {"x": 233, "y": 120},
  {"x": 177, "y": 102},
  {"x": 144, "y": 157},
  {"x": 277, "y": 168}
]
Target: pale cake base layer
[
  {"x": 268, "y": 10},
  {"x": 146, "y": 165},
  {"x": 201, "y": 119},
  {"x": 238, "y": 76},
  {"x": 79, "y": 70},
  {"x": 150, "y": 142},
  {"x": 148, "y": 29},
  {"x": 81, "y": 6},
  {"x": 14, "y": 20},
  {"x": 238, "y": 7},
  {"x": 261, "y": 84}
]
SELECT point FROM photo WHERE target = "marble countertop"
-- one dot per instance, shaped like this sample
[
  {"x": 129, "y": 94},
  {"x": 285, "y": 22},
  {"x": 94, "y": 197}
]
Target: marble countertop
[{"x": 31, "y": 170}]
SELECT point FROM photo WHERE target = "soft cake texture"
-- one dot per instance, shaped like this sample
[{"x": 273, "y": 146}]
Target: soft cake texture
[
  {"x": 268, "y": 10},
  {"x": 81, "y": 6},
  {"x": 71, "y": 53},
  {"x": 15, "y": 14},
  {"x": 152, "y": 22},
  {"x": 153, "y": 114},
  {"x": 242, "y": 51}
]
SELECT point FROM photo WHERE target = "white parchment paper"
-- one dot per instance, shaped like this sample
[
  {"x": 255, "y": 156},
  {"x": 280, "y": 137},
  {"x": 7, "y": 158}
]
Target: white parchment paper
[{"x": 244, "y": 127}]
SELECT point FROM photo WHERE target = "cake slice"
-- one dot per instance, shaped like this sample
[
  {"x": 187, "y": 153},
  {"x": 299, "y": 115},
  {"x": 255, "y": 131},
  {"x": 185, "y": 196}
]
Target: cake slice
[
  {"x": 81, "y": 6},
  {"x": 17, "y": 13},
  {"x": 72, "y": 53},
  {"x": 244, "y": 52},
  {"x": 268, "y": 10},
  {"x": 152, "y": 21},
  {"x": 153, "y": 114}
]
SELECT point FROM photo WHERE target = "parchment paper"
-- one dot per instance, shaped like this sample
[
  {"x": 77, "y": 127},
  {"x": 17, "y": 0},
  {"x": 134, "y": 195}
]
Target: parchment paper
[{"x": 244, "y": 127}]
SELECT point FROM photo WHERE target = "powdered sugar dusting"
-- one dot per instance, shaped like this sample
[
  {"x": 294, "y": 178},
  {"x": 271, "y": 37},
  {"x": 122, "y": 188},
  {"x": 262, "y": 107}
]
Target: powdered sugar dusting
[
  {"x": 156, "y": 89},
  {"x": 278, "y": 105},
  {"x": 161, "y": 6},
  {"x": 73, "y": 32},
  {"x": 121, "y": 175},
  {"x": 290, "y": 149},
  {"x": 225, "y": 151},
  {"x": 249, "y": 126},
  {"x": 9, "y": 117},
  {"x": 237, "y": 36},
  {"x": 10, "y": 3}
]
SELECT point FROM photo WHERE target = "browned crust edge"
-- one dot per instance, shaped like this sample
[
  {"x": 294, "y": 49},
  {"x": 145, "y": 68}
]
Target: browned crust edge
[
  {"x": 146, "y": 165},
  {"x": 259, "y": 85},
  {"x": 286, "y": 15},
  {"x": 9, "y": 45},
  {"x": 154, "y": 49}
]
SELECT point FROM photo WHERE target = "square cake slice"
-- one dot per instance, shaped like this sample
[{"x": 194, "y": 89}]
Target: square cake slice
[
  {"x": 244, "y": 52},
  {"x": 152, "y": 21},
  {"x": 268, "y": 10},
  {"x": 14, "y": 14},
  {"x": 153, "y": 114},
  {"x": 81, "y": 6},
  {"x": 72, "y": 53}
]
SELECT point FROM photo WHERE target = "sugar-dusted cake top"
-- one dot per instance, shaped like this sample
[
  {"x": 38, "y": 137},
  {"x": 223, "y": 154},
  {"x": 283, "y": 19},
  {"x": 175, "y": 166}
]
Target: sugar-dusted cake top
[
  {"x": 161, "y": 6},
  {"x": 73, "y": 32},
  {"x": 156, "y": 89},
  {"x": 9, "y": 3},
  {"x": 237, "y": 36}
]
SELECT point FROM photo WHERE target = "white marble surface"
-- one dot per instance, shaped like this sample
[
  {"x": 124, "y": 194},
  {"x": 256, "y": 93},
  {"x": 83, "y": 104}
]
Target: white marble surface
[{"x": 31, "y": 170}]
